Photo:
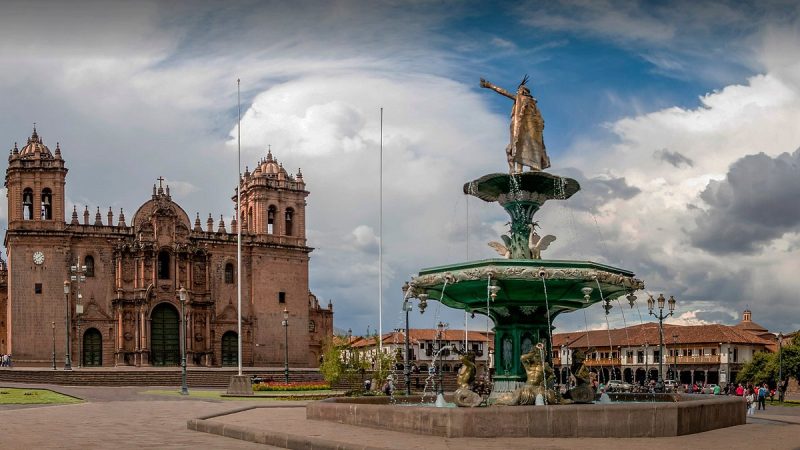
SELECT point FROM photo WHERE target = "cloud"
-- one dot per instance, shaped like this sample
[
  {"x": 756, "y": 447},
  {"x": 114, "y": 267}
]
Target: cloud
[
  {"x": 674, "y": 158},
  {"x": 750, "y": 207}
]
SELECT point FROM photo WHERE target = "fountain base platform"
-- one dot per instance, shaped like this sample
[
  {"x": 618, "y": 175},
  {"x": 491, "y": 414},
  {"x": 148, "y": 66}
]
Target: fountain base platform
[{"x": 649, "y": 415}]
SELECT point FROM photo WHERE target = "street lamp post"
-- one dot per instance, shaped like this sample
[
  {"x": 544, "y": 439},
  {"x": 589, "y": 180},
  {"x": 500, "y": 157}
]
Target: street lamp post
[
  {"x": 646, "y": 348},
  {"x": 285, "y": 324},
  {"x": 67, "y": 357},
  {"x": 182, "y": 298},
  {"x": 675, "y": 356},
  {"x": 660, "y": 316},
  {"x": 53, "y": 325},
  {"x": 780, "y": 367},
  {"x": 407, "y": 362}
]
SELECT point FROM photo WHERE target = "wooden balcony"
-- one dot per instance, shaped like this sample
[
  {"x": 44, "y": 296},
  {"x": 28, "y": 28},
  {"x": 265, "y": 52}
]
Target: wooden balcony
[
  {"x": 705, "y": 359},
  {"x": 602, "y": 362}
]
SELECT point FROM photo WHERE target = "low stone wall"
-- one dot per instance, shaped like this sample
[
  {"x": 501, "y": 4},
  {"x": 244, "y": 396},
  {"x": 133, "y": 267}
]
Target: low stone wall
[{"x": 679, "y": 415}]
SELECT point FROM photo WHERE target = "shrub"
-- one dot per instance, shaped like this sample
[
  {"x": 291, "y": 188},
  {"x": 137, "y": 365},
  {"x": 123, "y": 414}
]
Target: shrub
[{"x": 296, "y": 386}]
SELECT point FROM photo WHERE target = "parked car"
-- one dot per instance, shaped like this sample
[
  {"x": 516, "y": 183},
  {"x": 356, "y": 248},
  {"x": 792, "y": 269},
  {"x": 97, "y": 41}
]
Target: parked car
[
  {"x": 619, "y": 386},
  {"x": 670, "y": 386}
]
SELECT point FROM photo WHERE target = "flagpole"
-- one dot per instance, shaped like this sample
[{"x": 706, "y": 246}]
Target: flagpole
[
  {"x": 380, "y": 245},
  {"x": 239, "y": 224}
]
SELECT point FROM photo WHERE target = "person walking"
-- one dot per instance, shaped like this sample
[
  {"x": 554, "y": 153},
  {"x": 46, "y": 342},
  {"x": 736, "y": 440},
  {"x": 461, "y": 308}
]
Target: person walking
[
  {"x": 749, "y": 399},
  {"x": 762, "y": 397}
]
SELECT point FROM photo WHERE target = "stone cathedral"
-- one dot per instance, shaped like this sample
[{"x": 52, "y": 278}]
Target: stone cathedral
[{"x": 118, "y": 283}]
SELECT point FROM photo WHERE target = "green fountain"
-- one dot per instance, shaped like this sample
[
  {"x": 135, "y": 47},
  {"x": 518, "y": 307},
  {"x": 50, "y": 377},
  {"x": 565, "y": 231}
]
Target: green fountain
[{"x": 521, "y": 292}]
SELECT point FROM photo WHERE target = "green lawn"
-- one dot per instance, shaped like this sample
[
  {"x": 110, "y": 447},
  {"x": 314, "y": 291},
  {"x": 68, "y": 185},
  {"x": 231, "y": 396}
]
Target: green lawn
[
  {"x": 785, "y": 403},
  {"x": 14, "y": 396},
  {"x": 217, "y": 395}
]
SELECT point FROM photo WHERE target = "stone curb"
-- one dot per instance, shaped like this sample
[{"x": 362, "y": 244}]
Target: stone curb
[{"x": 267, "y": 437}]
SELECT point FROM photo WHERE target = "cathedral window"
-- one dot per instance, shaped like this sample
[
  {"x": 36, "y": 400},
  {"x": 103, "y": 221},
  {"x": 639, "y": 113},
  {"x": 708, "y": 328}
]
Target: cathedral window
[
  {"x": 229, "y": 273},
  {"x": 271, "y": 220},
  {"x": 289, "y": 220},
  {"x": 47, "y": 204},
  {"x": 27, "y": 204},
  {"x": 37, "y": 288},
  {"x": 88, "y": 263},
  {"x": 163, "y": 265},
  {"x": 312, "y": 327},
  {"x": 281, "y": 297}
]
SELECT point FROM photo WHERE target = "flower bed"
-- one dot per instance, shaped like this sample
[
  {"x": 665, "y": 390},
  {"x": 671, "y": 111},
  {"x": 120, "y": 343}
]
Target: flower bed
[{"x": 296, "y": 386}]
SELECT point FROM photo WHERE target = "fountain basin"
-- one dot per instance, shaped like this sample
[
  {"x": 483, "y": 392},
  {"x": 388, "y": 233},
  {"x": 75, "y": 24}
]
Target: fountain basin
[{"x": 669, "y": 415}]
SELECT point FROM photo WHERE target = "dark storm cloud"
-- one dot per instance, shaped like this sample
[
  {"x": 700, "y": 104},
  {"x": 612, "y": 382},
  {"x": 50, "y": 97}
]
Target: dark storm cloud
[
  {"x": 598, "y": 191},
  {"x": 755, "y": 203},
  {"x": 674, "y": 158}
]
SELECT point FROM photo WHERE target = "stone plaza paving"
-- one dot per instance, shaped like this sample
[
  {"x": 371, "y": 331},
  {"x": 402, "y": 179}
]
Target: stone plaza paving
[{"x": 122, "y": 418}]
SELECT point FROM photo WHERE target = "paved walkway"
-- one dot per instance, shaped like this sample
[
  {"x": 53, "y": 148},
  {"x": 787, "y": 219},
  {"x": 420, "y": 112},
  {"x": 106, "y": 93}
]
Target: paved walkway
[
  {"x": 123, "y": 418},
  {"x": 778, "y": 428},
  {"x": 114, "y": 418}
]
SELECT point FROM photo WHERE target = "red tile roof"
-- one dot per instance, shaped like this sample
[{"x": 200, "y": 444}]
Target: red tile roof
[
  {"x": 425, "y": 334},
  {"x": 648, "y": 334}
]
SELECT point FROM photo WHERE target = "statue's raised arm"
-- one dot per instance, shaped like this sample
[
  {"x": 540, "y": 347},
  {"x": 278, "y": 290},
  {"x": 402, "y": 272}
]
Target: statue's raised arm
[
  {"x": 499, "y": 90},
  {"x": 526, "y": 147}
]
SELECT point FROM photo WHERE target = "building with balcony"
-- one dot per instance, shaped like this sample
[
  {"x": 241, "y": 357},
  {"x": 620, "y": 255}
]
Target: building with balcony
[{"x": 702, "y": 354}]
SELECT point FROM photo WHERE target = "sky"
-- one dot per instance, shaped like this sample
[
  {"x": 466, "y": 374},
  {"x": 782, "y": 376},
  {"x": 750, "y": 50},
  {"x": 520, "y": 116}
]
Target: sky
[{"x": 680, "y": 119}]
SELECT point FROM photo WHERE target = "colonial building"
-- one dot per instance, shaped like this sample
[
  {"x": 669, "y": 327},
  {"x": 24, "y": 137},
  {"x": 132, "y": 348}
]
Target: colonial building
[
  {"x": 701, "y": 354},
  {"x": 118, "y": 285},
  {"x": 424, "y": 344}
]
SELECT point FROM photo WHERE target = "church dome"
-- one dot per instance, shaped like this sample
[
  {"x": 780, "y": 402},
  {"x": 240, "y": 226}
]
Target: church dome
[
  {"x": 271, "y": 168},
  {"x": 35, "y": 148}
]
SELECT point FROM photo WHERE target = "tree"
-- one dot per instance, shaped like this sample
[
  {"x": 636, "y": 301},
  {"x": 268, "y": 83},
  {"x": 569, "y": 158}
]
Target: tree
[
  {"x": 766, "y": 367},
  {"x": 757, "y": 370},
  {"x": 333, "y": 366}
]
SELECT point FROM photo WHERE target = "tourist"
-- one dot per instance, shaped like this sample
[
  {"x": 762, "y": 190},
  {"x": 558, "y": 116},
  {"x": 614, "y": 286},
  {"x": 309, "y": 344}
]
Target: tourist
[
  {"x": 716, "y": 390},
  {"x": 749, "y": 399},
  {"x": 740, "y": 390},
  {"x": 762, "y": 397}
]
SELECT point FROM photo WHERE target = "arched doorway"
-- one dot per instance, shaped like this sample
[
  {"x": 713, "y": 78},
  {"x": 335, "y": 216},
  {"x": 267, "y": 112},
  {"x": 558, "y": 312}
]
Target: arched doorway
[
  {"x": 92, "y": 348},
  {"x": 164, "y": 336},
  {"x": 230, "y": 349},
  {"x": 628, "y": 375},
  {"x": 641, "y": 376}
]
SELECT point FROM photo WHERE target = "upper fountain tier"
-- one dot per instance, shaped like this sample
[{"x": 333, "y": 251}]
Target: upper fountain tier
[{"x": 534, "y": 186}]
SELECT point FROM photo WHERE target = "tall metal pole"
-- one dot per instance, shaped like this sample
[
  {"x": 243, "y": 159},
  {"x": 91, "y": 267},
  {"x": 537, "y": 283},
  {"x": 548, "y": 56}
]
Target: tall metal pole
[
  {"x": 406, "y": 368},
  {"x": 380, "y": 248},
  {"x": 53, "y": 324},
  {"x": 182, "y": 298},
  {"x": 660, "y": 382},
  {"x": 67, "y": 357},
  {"x": 675, "y": 354},
  {"x": 780, "y": 367},
  {"x": 286, "y": 345},
  {"x": 239, "y": 227}
]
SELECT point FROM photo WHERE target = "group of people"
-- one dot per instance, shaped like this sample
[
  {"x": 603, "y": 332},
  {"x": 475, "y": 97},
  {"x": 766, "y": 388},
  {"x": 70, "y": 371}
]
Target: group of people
[
  {"x": 754, "y": 395},
  {"x": 5, "y": 361}
]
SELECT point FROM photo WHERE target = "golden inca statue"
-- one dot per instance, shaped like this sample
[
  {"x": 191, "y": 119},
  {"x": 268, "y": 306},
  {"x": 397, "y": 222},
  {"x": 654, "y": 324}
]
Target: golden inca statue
[
  {"x": 540, "y": 375},
  {"x": 526, "y": 147},
  {"x": 464, "y": 395}
]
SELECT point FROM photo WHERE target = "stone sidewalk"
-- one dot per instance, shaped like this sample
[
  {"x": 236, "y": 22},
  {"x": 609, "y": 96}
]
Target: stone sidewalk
[
  {"x": 123, "y": 418},
  {"x": 114, "y": 418},
  {"x": 778, "y": 428}
]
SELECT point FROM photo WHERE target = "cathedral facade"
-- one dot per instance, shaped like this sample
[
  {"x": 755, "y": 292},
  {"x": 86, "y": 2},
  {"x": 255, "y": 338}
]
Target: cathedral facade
[{"x": 115, "y": 293}]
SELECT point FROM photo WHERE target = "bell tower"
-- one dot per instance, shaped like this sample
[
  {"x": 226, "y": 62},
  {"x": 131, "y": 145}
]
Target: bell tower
[
  {"x": 35, "y": 181},
  {"x": 273, "y": 201}
]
